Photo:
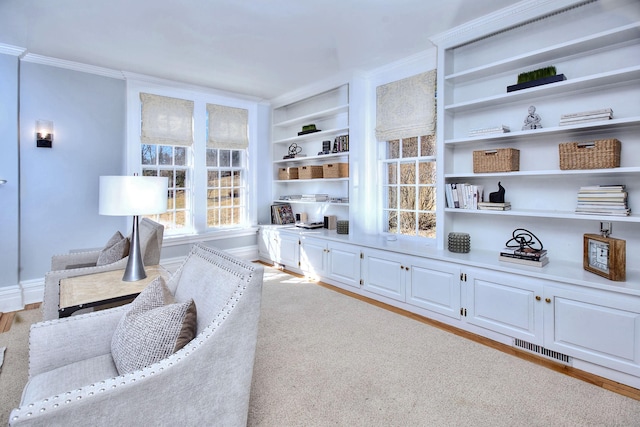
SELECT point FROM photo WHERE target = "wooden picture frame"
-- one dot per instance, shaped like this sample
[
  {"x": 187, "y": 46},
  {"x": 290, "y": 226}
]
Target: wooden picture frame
[{"x": 605, "y": 256}]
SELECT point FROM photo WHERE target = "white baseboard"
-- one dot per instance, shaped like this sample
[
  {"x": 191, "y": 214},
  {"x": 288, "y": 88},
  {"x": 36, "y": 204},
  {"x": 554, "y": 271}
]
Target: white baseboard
[{"x": 14, "y": 298}]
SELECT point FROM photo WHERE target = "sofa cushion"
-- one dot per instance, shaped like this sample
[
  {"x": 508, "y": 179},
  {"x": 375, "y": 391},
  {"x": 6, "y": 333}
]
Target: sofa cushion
[
  {"x": 116, "y": 248},
  {"x": 69, "y": 377},
  {"x": 154, "y": 328}
]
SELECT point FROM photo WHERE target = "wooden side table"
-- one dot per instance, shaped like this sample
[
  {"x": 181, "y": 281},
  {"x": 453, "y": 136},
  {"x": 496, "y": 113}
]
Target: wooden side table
[{"x": 93, "y": 290}]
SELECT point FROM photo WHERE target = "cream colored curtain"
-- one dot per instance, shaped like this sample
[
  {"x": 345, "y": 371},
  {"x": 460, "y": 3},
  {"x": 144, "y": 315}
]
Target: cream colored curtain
[
  {"x": 406, "y": 108},
  {"x": 165, "y": 120},
  {"x": 228, "y": 127}
]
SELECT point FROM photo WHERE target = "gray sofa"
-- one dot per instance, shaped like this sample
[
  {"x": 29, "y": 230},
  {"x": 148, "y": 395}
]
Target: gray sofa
[
  {"x": 80, "y": 263},
  {"x": 73, "y": 379}
]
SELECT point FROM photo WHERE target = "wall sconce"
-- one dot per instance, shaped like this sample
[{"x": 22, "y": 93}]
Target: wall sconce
[{"x": 44, "y": 133}]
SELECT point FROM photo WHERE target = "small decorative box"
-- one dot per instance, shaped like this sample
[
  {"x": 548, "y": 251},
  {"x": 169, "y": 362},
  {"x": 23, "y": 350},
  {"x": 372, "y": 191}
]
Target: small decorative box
[
  {"x": 342, "y": 227},
  {"x": 459, "y": 242}
]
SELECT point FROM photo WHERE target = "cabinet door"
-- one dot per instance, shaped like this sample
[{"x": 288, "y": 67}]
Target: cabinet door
[
  {"x": 312, "y": 256},
  {"x": 595, "y": 326},
  {"x": 266, "y": 244},
  {"x": 505, "y": 303},
  {"x": 288, "y": 251},
  {"x": 384, "y": 274},
  {"x": 343, "y": 264},
  {"x": 435, "y": 286}
]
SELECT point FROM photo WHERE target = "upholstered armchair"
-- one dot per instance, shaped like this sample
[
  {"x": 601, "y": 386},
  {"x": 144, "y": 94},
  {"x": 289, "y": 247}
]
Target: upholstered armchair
[
  {"x": 74, "y": 375},
  {"x": 80, "y": 263}
]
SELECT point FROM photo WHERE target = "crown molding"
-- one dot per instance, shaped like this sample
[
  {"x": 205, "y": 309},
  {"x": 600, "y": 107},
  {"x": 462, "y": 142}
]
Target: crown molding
[
  {"x": 501, "y": 20},
  {"x": 8, "y": 49},
  {"x": 71, "y": 65}
]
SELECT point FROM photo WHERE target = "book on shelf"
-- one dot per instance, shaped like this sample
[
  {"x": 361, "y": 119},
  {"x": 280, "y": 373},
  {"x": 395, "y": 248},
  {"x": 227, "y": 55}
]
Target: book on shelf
[
  {"x": 315, "y": 197},
  {"x": 282, "y": 213},
  {"x": 489, "y": 130},
  {"x": 525, "y": 253},
  {"x": 603, "y": 200},
  {"x": 463, "y": 195},
  {"x": 601, "y": 111},
  {"x": 492, "y": 206},
  {"x": 530, "y": 262},
  {"x": 586, "y": 117}
]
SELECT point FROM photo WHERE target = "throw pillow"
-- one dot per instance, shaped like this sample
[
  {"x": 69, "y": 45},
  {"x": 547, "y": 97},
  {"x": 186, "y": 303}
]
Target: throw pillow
[
  {"x": 154, "y": 328},
  {"x": 116, "y": 248}
]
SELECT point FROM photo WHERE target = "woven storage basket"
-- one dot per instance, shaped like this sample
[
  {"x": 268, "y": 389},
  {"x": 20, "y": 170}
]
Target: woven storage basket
[
  {"x": 498, "y": 160},
  {"x": 309, "y": 172},
  {"x": 288, "y": 173},
  {"x": 599, "y": 154},
  {"x": 335, "y": 170}
]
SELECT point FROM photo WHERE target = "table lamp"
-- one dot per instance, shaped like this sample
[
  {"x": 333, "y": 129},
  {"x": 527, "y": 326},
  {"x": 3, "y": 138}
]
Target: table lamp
[{"x": 133, "y": 195}]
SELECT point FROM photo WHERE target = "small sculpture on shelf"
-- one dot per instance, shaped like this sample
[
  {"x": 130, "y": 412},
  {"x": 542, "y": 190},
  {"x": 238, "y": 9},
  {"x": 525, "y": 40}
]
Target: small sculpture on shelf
[
  {"x": 294, "y": 150},
  {"x": 497, "y": 196},
  {"x": 532, "y": 121}
]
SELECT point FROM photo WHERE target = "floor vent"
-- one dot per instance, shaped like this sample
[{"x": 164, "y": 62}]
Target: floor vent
[{"x": 550, "y": 354}]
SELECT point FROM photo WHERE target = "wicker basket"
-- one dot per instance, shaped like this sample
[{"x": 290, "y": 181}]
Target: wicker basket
[
  {"x": 288, "y": 173},
  {"x": 599, "y": 154},
  {"x": 499, "y": 160},
  {"x": 310, "y": 172},
  {"x": 335, "y": 170}
]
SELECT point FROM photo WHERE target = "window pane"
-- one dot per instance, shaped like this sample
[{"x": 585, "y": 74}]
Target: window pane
[
  {"x": 181, "y": 219},
  {"x": 427, "y": 225},
  {"x": 168, "y": 174},
  {"x": 236, "y": 159},
  {"x": 427, "y": 198},
  {"x": 148, "y": 154},
  {"x": 225, "y": 158},
  {"x": 212, "y": 178},
  {"x": 410, "y": 147},
  {"x": 149, "y": 172},
  {"x": 393, "y": 149},
  {"x": 213, "y": 217},
  {"x": 407, "y": 173},
  {"x": 213, "y": 198},
  {"x": 181, "y": 179},
  {"x": 165, "y": 156},
  {"x": 171, "y": 199},
  {"x": 181, "y": 199},
  {"x": 392, "y": 221},
  {"x": 408, "y": 223},
  {"x": 427, "y": 173},
  {"x": 392, "y": 173},
  {"x": 212, "y": 157},
  {"x": 428, "y": 145},
  {"x": 407, "y": 198},
  {"x": 392, "y": 198},
  {"x": 181, "y": 156}
]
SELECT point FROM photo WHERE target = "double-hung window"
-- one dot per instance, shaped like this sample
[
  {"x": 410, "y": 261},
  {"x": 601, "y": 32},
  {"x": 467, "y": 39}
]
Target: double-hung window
[
  {"x": 405, "y": 128},
  {"x": 202, "y": 148}
]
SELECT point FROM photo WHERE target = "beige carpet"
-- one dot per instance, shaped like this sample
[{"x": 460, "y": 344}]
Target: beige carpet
[{"x": 325, "y": 359}]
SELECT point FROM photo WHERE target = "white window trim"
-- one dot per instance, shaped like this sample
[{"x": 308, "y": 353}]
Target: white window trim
[{"x": 200, "y": 96}]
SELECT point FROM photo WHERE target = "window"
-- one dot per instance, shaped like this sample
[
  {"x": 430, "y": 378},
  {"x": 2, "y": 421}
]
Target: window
[
  {"x": 226, "y": 187},
  {"x": 409, "y": 186},
  {"x": 405, "y": 125}
]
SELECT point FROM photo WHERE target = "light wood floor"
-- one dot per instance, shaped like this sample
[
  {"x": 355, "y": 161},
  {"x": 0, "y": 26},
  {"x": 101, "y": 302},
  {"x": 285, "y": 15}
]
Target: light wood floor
[{"x": 6, "y": 319}]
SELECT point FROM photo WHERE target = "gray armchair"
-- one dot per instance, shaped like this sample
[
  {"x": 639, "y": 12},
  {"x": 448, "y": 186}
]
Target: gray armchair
[
  {"x": 80, "y": 263},
  {"x": 73, "y": 380}
]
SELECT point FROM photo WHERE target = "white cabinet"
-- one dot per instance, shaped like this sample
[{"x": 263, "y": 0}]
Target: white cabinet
[
  {"x": 384, "y": 273},
  {"x": 595, "y": 326},
  {"x": 506, "y": 303},
  {"x": 279, "y": 247},
  {"x": 329, "y": 260},
  {"x": 329, "y": 113},
  {"x": 599, "y": 53},
  {"x": 434, "y": 286}
]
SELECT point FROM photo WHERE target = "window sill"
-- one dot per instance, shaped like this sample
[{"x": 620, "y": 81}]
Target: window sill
[{"x": 208, "y": 236}]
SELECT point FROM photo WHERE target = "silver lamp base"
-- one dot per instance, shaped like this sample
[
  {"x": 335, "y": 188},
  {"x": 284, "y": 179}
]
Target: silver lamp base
[{"x": 135, "y": 267}]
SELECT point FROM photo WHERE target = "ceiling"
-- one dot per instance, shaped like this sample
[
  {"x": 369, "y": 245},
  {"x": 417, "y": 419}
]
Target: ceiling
[{"x": 262, "y": 48}]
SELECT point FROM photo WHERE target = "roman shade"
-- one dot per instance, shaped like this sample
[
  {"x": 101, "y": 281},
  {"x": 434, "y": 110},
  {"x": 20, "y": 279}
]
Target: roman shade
[
  {"x": 166, "y": 121},
  {"x": 406, "y": 108},
  {"x": 228, "y": 127}
]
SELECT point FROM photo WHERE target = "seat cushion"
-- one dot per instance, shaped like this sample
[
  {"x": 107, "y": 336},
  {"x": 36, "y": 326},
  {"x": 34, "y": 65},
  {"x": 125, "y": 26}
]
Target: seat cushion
[
  {"x": 154, "y": 328},
  {"x": 69, "y": 377},
  {"x": 116, "y": 248}
]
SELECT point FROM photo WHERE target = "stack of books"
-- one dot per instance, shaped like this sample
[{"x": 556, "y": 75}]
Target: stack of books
[
  {"x": 603, "y": 200},
  {"x": 526, "y": 256},
  {"x": 282, "y": 214},
  {"x": 463, "y": 195},
  {"x": 489, "y": 131},
  {"x": 586, "y": 117},
  {"x": 494, "y": 206}
]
